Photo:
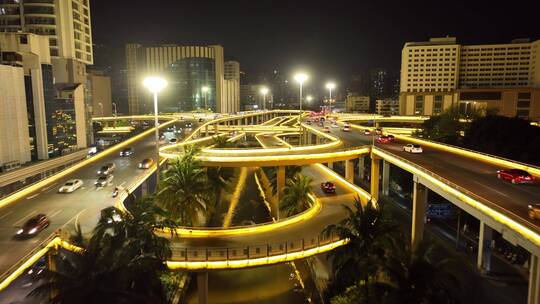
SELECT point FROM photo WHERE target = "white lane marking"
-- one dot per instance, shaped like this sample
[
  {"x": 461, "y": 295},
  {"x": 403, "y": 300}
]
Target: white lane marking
[
  {"x": 24, "y": 218},
  {"x": 32, "y": 196},
  {"x": 491, "y": 189},
  {"x": 49, "y": 187},
  {"x": 77, "y": 217},
  {"x": 55, "y": 213},
  {"x": 6, "y": 214}
]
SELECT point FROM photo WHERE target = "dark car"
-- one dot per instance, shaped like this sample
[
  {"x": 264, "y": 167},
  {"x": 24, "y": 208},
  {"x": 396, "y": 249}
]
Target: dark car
[
  {"x": 328, "y": 187},
  {"x": 146, "y": 163},
  {"x": 515, "y": 176},
  {"x": 201, "y": 120},
  {"x": 107, "y": 169},
  {"x": 104, "y": 180},
  {"x": 127, "y": 151},
  {"x": 534, "y": 211},
  {"x": 33, "y": 226}
]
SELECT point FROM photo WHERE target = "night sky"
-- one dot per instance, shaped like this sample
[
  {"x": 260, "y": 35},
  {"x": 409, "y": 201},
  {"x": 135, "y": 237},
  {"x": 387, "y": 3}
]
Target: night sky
[{"x": 333, "y": 39}]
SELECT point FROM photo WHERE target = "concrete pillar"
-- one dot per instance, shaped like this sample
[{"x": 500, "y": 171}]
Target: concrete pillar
[
  {"x": 374, "y": 179},
  {"x": 215, "y": 129},
  {"x": 144, "y": 188},
  {"x": 317, "y": 140},
  {"x": 349, "y": 170},
  {"x": 52, "y": 266},
  {"x": 251, "y": 120},
  {"x": 483, "y": 261},
  {"x": 331, "y": 165},
  {"x": 206, "y": 130},
  {"x": 280, "y": 180},
  {"x": 419, "y": 212},
  {"x": 361, "y": 167},
  {"x": 534, "y": 281},
  {"x": 202, "y": 287},
  {"x": 386, "y": 178}
]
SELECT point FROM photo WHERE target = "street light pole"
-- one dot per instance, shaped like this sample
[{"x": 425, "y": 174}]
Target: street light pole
[
  {"x": 300, "y": 78},
  {"x": 264, "y": 91},
  {"x": 330, "y": 86},
  {"x": 155, "y": 85}
]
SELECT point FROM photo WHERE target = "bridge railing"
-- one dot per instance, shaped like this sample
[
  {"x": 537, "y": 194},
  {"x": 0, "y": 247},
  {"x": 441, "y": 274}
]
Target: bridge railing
[{"x": 250, "y": 252}]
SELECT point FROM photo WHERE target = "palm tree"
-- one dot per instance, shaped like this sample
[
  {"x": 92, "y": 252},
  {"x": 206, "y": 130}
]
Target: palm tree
[
  {"x": 190, "y": 152},
  {"x": 367, "y": 229},
  {"x": 290, "y": 173},
  {"x": 222, "y": 142},
  {"x": 296, "y": 196},
  {"x": 183, "y": 190},
  {"x": 120, "y": 263},
  {"x": 417, "y": 276},
  {"x": 219, "y": 179}
]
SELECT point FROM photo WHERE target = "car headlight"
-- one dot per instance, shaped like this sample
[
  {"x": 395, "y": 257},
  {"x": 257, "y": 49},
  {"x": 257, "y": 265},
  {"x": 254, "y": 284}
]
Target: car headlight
[
  {"x": 32, "y": 231},
  {"x": 20, "y": 231}
]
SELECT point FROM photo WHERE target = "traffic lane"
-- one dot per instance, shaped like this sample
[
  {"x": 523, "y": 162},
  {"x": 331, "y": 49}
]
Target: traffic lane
[
  {"x": 83, "y": 204},
  {"x": 477, "y": 177},
  {"x": 332, "y": 212}
]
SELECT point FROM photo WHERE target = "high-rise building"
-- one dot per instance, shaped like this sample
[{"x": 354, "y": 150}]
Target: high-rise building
[
  {"x": 99, "y": 91},
  {"x": 440, "y": 73},
  {"x": 55, "y": 124},
  {"x": 14, "y": 137},
  {"x": 232, "y": 70},
  {"x": 357, "y": 103},
  {"x": 67, "y": 24},
  {"x": 387, "y": 106},
  {"x": 188, "y": 69}
]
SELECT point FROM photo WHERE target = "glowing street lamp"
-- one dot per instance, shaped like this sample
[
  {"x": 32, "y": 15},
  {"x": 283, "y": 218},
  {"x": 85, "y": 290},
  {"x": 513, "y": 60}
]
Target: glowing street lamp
[
  {"x": 205, "y": 91},
  {"x": 301, "y": 78},
  {"x": 264, "y": 91},
  {"x": 155, "y": 85},
  {"x": 330, "y": 86},
  {"x": 309, "y": 98}
]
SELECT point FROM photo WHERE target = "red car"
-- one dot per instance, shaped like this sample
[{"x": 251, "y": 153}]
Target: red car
[
  {"x": 328, "y": 187},
  {"x": 33, "y": 226},
  {"x": 516, "y": 176},
  {"x": 383, "y": 139}
]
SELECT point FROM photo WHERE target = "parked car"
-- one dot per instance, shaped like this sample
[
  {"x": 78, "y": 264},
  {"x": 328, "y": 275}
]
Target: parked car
[
  {"x": 534, "y": 211},
  {"x": 383, "y": 139},
  {"x": 70, "y": 186},
  {"x": 34, "y": 226},
  {"x": 515, "y": 176},
  {"x": 127, "y": 151},
  {"x": 104, "y": 180},
  {"x": 107, "y": 169},
  {"x": 328, "y": 187},
  {"x": 412, "y": 148},
  {"x": 146, "y": 163}
]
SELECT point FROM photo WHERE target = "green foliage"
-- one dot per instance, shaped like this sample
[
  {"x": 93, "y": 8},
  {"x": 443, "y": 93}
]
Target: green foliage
[
  {"x": 445, "y": 127},
  {"x": 512, "y": 138},
  {"x": 183, "y": 189},
  {"x": 222, "y": 142},
  {"x": 296, "y": 195},
  {"x": 120, "y": 263}
]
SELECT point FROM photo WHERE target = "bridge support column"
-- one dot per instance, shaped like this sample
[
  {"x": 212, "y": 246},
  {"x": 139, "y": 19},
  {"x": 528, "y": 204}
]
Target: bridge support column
[
  {"x": 361, "y": 167},
  {"x": 52, "y": 266},
  {"x": 349, "y": 170},
  {"x": 215, "y": 129},
  {"x": 331, "y": 165},
  {"x": 252, "y": 120},
  {"x": 202, "y": 287},
  {"x": 374, "y": 179},
  {"x": 484, "y": 248},
  {"x": 206, "y": 130},
  {"x": 317, "y": 140},
  {"x": 144, "y": 188},
  {"x": 534, "y": 281},
  {"x": 385, "y": 178},
  {"x": 419, "y": 212}
]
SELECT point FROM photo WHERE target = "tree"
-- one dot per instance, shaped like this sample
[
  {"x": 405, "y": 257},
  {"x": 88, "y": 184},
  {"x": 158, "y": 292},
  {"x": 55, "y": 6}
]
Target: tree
[
  {"x": 222, "y": 142},
  {"x": 368, "y": 230},
  {"x": 296, "y": 196},
  {"x": 416, "y": 275},
  {"x": 445, "y": 127},
  {"x": 183, "y": 190},
  {"x": 219, "y": 179},
  {"x": 120, "y": 263}
]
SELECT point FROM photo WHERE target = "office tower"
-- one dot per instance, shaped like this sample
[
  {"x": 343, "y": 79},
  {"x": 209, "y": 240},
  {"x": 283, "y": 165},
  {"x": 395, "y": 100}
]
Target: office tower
[
  {"x": 441, "y": 73},
  {"x": 188, "y": 70}
]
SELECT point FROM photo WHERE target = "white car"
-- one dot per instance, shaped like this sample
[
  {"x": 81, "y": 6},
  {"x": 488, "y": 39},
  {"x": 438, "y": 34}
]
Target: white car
[
  {"x": 346, "y": 128},
  {"x": 334, "y": 125},
  {"x": 411, "y": 148},
  {"x": 70, "y": 186}
]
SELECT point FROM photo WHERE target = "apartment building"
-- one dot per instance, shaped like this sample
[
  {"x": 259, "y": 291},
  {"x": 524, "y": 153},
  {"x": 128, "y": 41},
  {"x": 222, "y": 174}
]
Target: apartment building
[
  {"x": 188, "y": 69},
  {"x": 357, "y": 103},
  {"x": 440, "y": 73}
]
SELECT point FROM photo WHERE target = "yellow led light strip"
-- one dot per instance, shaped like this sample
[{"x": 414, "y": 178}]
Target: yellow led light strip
[
  {"x": 497, "y": 216},
  {"x": 35, "y": 187},
  {"x": 243, "y": 263},
  {"x": 186, "y": 232}
]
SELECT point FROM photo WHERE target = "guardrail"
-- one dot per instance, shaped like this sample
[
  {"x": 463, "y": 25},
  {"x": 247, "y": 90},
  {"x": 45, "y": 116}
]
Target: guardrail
[{"x": 512, "y": 220}]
